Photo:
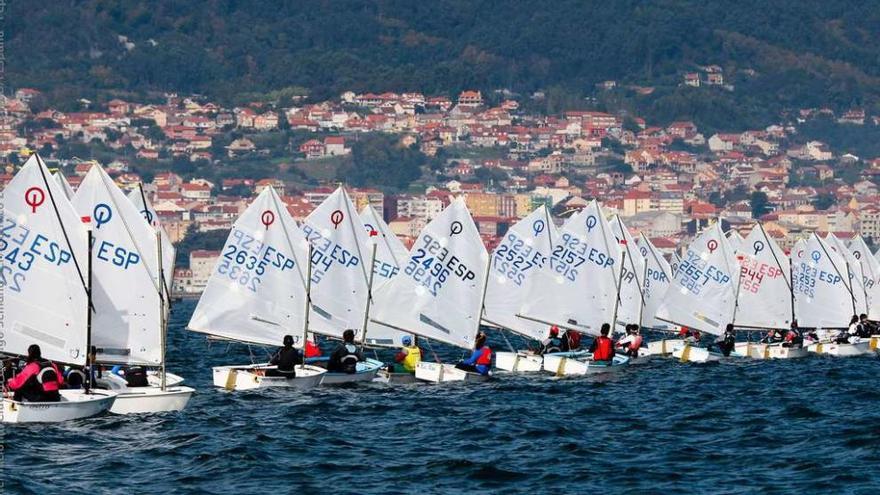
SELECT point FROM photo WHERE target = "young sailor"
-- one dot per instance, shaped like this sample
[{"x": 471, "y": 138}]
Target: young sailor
[
  {"x": 135, "y": 376},
  {"x": 286, "y": 358},
  {"x": 793, "y": 337},
  {"x": 552, "y": 343},
  {"x": 39, "y": 381},
  {"x": 480, "y": 360},
  {"x": 346, "y": 356},
  {"x": 571, "y": 341},
  {"x": 631, "y": 342},
  {"x": 312, "y": 349},
  {"x": 865, "y": 328},
  {"x": 727, "y": 342},
  {"x": 602, "y": 347},
  {"x": 409, "y": 356}
]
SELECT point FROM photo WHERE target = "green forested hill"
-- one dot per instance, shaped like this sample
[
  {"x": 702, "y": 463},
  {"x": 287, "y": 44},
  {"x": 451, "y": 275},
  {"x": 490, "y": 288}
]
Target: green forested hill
[{"x": 803, "y": 52}]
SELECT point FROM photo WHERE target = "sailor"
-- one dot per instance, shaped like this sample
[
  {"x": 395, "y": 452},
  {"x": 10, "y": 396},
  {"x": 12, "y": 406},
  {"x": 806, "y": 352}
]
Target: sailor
[
  {"x": 866, "y": 328},
  {"x": 602, "y": 347},
  {"x": 552, "y": 343},
  {"x": 39, "y": 381},
  {"x": 346, "y": 356},
  {"x": 571, "y": 341},
  {"x": 793, "y": 337},
  {"x": 409, "y": 356},
  {"x": 286, "y": 358},
  {"x": 312, "y": 349},
  {"x": 727, "y": 341},
  {"x": 851, "y": 333},
  {"x": 632, "y": 342},
  {"x": 135, "y": 376},
  {"x": 74, "y": 378},
  {"x": 480, "y": 360},
  {"x": 773, "y": 336}
]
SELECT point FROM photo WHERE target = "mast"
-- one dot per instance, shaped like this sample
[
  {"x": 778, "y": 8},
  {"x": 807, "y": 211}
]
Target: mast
[
  {"x": 738, "y": 285},
  {"x": 619, "y": 284},
  {"x": 791, "y": 284},
  {"x": 483, "y": 297},
  {"x": 308, "y": 305},
  {"x": 90, "y": 357},
  {"x": 642, "y": 294},
  {"x": 852, "y": 294},
  {"x": 369, "y": 296},
  {"x": 163, "y": 323}
]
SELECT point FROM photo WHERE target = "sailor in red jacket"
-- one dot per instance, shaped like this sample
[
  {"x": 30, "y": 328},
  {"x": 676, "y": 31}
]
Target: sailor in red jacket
[
  {"x": 39, "y": 381},
  {"x": 480, "y": 360},
  {"x": 602, "y": 347}
]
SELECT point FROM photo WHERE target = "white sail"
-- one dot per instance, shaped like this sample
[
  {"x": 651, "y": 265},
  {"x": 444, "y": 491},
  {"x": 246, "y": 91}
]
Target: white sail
[
  {"x": 674, "y": 261},
  {"x": 439, "y": 293},
  {"x": 142, "y": 204},
  {"x": 126, "y": 323},
  {"x": 577, "y": 287},
  {"x": 852, "y": 273},
  {"x": 869, "y": 271},
  {"x": 391, "y": 256},
  {"x": 340, "y": 260},
  {"x": 764, "y": 296},
  {"x": 257, "y": 290},
  {"x": 735, "y": 240},
  {"x": 658, "y": 277},
  {"x": 631, "y": 305},
  {"x": 822, "y": 298},
  {"x": 702, "y": 293},
  {"x": 43, "y": 268},
  {"x": 523, "y": 251},
  {"x": 65, "y": 186}
]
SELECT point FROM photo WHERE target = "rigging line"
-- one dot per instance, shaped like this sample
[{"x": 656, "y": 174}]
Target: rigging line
[
  {"x": 161, "y": 231},
  {"x": 623, "y": 233},
  {"x": 137, "y": 247},
  {"x": 601, "y": 220},
  {"x": 847, "y": 287},
  {"x": 348, "y": 204},
  {"x": 82, "y": 278}
]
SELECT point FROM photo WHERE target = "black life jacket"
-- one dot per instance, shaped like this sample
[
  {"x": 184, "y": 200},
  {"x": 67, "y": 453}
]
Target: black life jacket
[
  {"x": 349, "y": 361},
  {"x": 136, "y": 376}
]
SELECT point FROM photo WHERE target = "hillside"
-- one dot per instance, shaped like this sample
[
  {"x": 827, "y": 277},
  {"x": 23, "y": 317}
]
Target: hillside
[{"x": 784, "y": 54}]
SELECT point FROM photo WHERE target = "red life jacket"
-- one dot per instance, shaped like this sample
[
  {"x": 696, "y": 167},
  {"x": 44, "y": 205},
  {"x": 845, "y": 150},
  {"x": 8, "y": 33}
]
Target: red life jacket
[
  {"x": 636, "y": 343},
  {"x": 312, "y": 350},
  {"x": 604, "y": 349},
  {"x": 574, "y": 340},
  {"x": 485, "y": 358},
  {"x": 48, "y": 377}
]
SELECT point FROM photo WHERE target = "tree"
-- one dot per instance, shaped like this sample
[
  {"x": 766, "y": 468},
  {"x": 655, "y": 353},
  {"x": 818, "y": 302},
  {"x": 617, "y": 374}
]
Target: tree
[
  {"x": 760, "y": 204},
  {"x": 823, "y": 201},
  {"x": 379, "y": 160}
]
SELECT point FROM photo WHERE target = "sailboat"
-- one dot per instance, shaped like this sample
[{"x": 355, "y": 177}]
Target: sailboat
[
  {"x": 440, "y": 293},
  {"x": 522, "y": 252},
  {"x": 735, "y": 240},
  {"x": 658, "y": 277},
  {"x": 870, "y": 272},
  {"x": 702, "y": 295},
  {"x": 389, "y": 259},
  {"x": 258, "y": 293},
  {"x": 341, "y": 292},
  {"x": 45, "y": 280},
  {"x": 577, "y": 288},
  {"x": 765, "y": 299},
  {"x": 823, "y": 297},
  {"x": 130, "y": 297}
]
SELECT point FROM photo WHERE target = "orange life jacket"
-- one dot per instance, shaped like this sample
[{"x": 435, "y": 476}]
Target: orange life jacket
[{"x": 604, "y": 349}]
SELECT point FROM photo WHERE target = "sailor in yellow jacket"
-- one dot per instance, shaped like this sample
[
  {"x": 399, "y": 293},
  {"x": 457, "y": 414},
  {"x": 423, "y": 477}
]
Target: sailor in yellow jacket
[{"x": 408, "y": 357}]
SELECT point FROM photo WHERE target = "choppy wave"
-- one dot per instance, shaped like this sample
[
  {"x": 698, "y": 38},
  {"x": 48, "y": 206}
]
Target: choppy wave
[{"x": 798, "y": 426}]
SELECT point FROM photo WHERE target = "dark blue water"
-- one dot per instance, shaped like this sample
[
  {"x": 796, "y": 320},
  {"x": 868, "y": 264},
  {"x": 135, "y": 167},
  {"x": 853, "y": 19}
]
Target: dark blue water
[{"x": 798, "y": 426}]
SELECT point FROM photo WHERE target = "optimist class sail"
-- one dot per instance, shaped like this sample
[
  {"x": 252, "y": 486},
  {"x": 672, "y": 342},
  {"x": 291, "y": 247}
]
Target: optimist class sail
[
  {"x": 339, "y": 266},
  {"x": 439, "y": 293},
  {"x": 257, "y": 290},
  {"x": 43, "y": 274},
  {"x": 577, "y": 288},
  {"x": 702, "y": 294},
  {"x": 658, "y": 277},
  {"x": 522, "y": 252},
  {"x": 142, "y": 204},
  {"x": 870, "y": 274},
  {"x": 822, "y": 299},
  {"x": 764, "y": 296},
  {"x": 632, "y": 280},
  {"x": 125, "y": 329},
  {"x": 65, "y": 186},
  {"x": 851, "y": 272}
]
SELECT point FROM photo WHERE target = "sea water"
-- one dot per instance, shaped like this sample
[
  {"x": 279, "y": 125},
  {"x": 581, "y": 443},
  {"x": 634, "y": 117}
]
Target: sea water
[{"x": 807, "y": 425}]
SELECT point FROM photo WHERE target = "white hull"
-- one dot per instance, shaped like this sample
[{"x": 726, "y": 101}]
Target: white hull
[
  {"x": 366, "y": 372},
  {"x": 663, "y": 347},
  {"x": 384, "y": 376},
  {"x": 581, "y": 363},
  {"x": 751, "y": 350},
  {"x": 252, "y": 376},
  {"x": 147, "y": 400},
  {"x": 442, "y": 373},
  {"x": 691, "y": 354},
  {"x": 155, "y": 379},
  {"x": 519, "y": 362},
  {"x": 840, "y": 350},
  {"x": 74, "y": 404},
  {"x": 779, "y": 352}
]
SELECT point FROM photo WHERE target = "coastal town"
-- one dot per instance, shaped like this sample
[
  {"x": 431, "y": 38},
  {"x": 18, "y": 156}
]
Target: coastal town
[{"x": 667, "y": 181}]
